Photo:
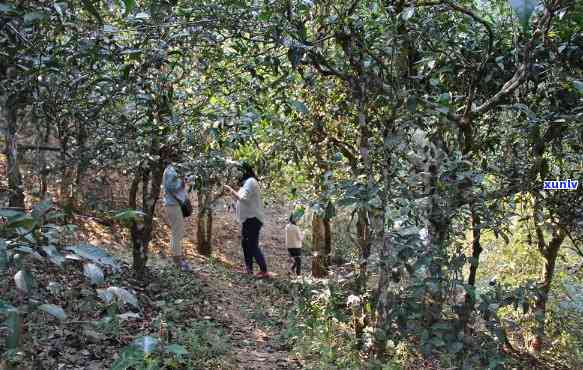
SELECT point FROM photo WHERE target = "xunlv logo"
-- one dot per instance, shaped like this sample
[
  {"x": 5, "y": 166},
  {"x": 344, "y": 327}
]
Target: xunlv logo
[{"x": 561, "y": 185}]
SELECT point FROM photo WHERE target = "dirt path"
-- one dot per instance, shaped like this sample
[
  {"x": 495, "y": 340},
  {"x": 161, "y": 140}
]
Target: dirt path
[
  {"x": 244, "y": 307},
  {"x": 249, "y": 309}
]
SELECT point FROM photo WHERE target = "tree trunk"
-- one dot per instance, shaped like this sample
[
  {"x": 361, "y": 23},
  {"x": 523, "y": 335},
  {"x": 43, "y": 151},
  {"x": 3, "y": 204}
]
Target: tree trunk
[
  {"x": 327, "y": 241},
  {"x": 363, "y": 240},
  {"x": 384, "y": 296},
  {"x": 470, "y": 297},
  {"x": 362, "y": 223},
  {"x": 82, "y": 164},
  {"x": 385, "y": 300},
  {"x": 151, "y": 180},
  {"x": 204, "y": 223},
  {"x": 67, "y": 176},
  {"x": 550, "y": 253},
  {"x": 136, "y": 230},
  {"x": 321, "y": 233},
  {"x": 15, "y": 185},
  {"x": 320, "y": 255},
  {"x": 438, "y": 233},
  {"x": 44, "y": 172},
  {"x": 476, "y": 247}
]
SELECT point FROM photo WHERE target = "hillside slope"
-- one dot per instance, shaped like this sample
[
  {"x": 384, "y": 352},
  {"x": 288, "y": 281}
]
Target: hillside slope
[{"x": 221, "y": 317}]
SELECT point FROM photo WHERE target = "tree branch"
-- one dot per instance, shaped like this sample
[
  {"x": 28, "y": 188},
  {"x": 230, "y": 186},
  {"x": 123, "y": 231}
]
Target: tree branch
[{"x": 521, "y": 74}]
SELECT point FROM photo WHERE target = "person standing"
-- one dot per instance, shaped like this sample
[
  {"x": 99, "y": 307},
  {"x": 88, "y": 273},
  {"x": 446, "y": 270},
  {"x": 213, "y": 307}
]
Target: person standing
[
  {"x": 175, "y": 192},
  {"x": 251, "y": 216},
  {"x": 293, "y": 243}
]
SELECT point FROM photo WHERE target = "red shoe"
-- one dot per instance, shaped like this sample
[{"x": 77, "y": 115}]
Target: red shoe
[{"x": 262, "y": 275}]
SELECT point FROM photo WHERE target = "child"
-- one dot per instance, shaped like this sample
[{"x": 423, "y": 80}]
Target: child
[{"x": 293, "y": 242}]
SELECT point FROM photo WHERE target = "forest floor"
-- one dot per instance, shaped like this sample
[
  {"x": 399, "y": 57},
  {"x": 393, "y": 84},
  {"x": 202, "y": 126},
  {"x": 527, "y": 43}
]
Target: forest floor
[
  {"x": 226, "y": 320},
  {"x": 247, "y": 315}
]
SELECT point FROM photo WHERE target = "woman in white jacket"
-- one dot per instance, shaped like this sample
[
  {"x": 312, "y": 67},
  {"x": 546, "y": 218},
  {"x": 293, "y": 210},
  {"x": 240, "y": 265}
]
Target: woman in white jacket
[{"x": 251, "y": 217}]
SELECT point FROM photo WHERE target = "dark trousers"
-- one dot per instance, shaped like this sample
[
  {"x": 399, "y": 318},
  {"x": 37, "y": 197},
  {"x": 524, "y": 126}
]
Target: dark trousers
[
  {"x": 250, "y": 244},
  {"x": 296, "y": 254}
]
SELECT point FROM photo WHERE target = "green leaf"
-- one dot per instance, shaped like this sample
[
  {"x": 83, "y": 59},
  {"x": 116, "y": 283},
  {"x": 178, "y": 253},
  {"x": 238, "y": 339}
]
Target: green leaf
[
  {"x": 14, "y": 324},
  {"x": 146, "y": 344},
  {"x": 437, "y": 342},
  {"x": 122, "y": 295},
  {"x": 129, "y": 5},
  {"x": 7, "y": 8},
  {"x": 94, "y": 254},
  {"x": 495, "y": 362},
  {"x": 108, "y": 28},
  {"x": 10, "y": 213},
  {"x": 23, "y": 280},
  {"x": 23, "y": 221},
  {"x": 142, "y": 16},
  {"x": 94, "y": 273},
  {"x": 524, "y": 108},
  {"x": 131, "y": 357},
  {"x": 33, "y": 17},
  {"x": 3, "y": 255},
  {"x": 177, "y": 349},
  {"x": 54, "y": 255},
  {"x": 41, "y": 208},
  {"x": 129, "y": 215},
  {"x": 412, "y": 230},
  {"x": 105, "y": 295},
  {"x": 331, "y": 19},
  {"x": 456, "y": 347},
  {"x": 128, "y": 316},
  {"x": 54, "y": 310},
  {"x": 5, "y": 306},
  {"x": 60, "y": 8},
  {"x": 443, "y": 99},
  {"x": 90, "y": 7},
  {"x": 298, "y": 106},
  {"x": 412, "y": 103},
  {"x": 407, "y": 13}
]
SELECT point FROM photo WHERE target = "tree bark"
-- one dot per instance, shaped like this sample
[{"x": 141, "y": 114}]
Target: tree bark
[
  {"x": 321, "y": 231},
  {"x": 470, "y": 297},
  {"x": 549, "y": 253},
  {"x": 363, "y": 241},
  {"x": 43, "y": 165},
  {"x": 15, "y": 186},
  {"x": 204, "y": 222},
  {"x": 320, "y": 257},
  {"x": 82, "y": 164},
  {"x": 384, "y": 295},
  {"x": 327, "y": 241},
  {"x": 363, "y": 230},
  {"x": 151, "y": 180},
  {"x": 476, "y": 247},
  {"x": 67, "y": 175}
]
